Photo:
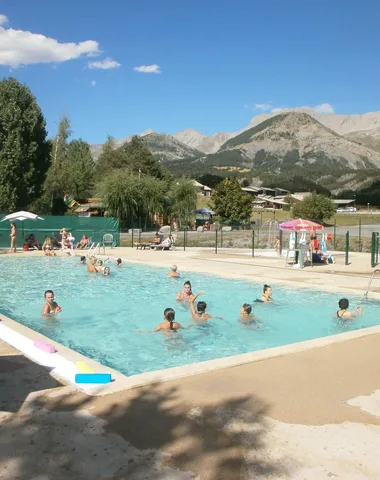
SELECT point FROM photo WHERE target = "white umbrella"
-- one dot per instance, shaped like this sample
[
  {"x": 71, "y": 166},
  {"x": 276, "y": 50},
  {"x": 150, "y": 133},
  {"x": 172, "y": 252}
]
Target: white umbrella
[{"x": 22, "y": 216}]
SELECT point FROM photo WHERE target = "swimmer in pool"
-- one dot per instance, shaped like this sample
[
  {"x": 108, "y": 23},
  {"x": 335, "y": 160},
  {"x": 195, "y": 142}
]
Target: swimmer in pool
[
  {"x": 91, "y": 266},
  {"x": 199, "y": 314},
  {"x": 82, "y": 260},
  {"x": 245, "y": 314},
  {"x": 118, "y": 262},
  {"x": 343, "y": 312},
  {"x": 173, "y": 272},
  {"x": 169, "y": 323},
  {"x": 267, "y": 295},
  {"x": 99, "y": 267},
  {"x": 186, "y": 293},
  {"x": 107, "y": 271},
  {"x": 51, "y": 307}
]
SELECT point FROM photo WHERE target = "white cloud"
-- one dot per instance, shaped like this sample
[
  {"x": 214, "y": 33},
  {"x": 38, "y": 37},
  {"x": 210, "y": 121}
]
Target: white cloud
[
  {"x": 105, "y": 64},
  {"x": 19, "y": 47},
  {"x": 93, "y": 83},
  {"x": 3, "y": 19},
  {"x": 325, "y": 108},
  {"x": 264, "y": 107},
  {"x": 148, "y": 69}
]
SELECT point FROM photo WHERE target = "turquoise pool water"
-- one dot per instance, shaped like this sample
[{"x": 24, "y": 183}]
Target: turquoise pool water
[{"x": 103, "y": 317}]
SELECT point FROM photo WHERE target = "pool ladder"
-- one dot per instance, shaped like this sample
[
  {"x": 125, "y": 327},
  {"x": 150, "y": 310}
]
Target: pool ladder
[{"x": 377, "y": 271}]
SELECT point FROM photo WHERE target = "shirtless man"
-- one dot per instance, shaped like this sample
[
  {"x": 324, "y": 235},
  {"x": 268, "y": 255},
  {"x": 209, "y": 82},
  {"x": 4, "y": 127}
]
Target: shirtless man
[
  {"x": 91, "y": 266},
  {"x": 173, "y": 272},
  {"x": 13, "y": 236},
  {"x": 51, "y": 307}
]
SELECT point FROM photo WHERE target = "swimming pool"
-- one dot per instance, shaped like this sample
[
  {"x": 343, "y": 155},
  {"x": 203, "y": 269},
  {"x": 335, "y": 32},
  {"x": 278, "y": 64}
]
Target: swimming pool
[{"x": 110, "y": 319}]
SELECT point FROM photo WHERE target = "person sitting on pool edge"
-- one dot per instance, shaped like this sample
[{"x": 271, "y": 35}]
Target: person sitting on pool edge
[
  {"x": 173, "y": 272},
  {"x": 199, "y": 314},
  {"x": 267, "y": 295},
  {"x": 169, "y": 323},
  {"x": 91, "y": 266},
  {"x": 51, "y": 307},
  {"x": 343, "y": 312},
  {"x": 186, "y": 293},
  {"x": 245, "y": 314}
]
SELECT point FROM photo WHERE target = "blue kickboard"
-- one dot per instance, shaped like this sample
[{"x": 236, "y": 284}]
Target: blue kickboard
[{"x": 93, "y": 378}]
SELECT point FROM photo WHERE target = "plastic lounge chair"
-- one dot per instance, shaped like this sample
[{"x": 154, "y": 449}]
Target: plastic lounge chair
[
  {"x": 142, "y": 246},
  {"x": 108, "y": 240}
]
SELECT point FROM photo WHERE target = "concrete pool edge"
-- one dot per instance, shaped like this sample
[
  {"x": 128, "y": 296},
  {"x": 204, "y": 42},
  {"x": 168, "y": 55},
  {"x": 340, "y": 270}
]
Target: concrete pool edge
[{"x": 63, "y": 367}]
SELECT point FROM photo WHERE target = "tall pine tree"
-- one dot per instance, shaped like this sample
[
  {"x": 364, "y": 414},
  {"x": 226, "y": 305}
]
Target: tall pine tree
[{"x": 24, "y": 149}]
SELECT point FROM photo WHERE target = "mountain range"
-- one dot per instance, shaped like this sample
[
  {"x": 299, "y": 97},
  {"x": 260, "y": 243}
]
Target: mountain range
[{"x": 337, "y": 151}]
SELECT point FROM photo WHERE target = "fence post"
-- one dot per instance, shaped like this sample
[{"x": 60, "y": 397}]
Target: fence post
[
  {"x": 216, "y": 239},
  {"x": 373, "y": 248},
  {"x": 253, "y": 242},
  {"x": 184, "y": 237},
  {"x": 360, "y": 235},
  {"x": 221, "y": 235},
  {"x": 334, "y": 242},
  {"x": 347, "y": 246},
  {"x": 377, "y": 249},
  {"x": 132, "y": 235},
  {"x": 139, "y": 229},
  {"x": 281, "y": 234}
]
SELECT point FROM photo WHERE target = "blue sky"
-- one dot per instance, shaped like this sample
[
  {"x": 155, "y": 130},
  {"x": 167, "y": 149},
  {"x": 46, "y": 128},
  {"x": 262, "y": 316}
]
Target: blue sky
[{"x": 217, "y": 60}]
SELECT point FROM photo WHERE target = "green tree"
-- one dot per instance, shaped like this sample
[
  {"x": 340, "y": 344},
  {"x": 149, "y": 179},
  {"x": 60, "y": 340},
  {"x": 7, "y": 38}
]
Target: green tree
[
  {"x": 79, "y": 169},
  {"x": 128, "y": 196},
  {"x": 230, "y": 202},
  {"x": 182, "y": 199},
  {"x": 137, "y": 158},
  {"x": 108, "y": 159},
  {"x": 24, "y": 149},
  {"x": 52, "y": 200},
  {"x": 315, "y": 207}
]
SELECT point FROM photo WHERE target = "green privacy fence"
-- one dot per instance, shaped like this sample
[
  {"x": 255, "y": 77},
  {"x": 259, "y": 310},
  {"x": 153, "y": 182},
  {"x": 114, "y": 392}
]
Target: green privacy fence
[{"x": 94, "y": 227}]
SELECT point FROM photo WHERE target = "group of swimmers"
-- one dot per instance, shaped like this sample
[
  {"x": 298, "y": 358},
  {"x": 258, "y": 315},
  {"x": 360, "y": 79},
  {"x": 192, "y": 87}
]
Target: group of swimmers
[{"x": 198, "y": 310}]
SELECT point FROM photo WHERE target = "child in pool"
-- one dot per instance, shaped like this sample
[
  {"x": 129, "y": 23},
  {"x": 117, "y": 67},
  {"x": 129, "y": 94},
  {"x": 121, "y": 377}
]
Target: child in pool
[
  {"x": 199, "y": 314},
  {"x": 245, "y": 314},
  {"x": 51, "y": 307}
]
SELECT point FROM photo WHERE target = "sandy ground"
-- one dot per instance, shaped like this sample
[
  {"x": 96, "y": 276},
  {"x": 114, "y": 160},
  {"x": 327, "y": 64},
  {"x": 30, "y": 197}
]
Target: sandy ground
[{"x": 308, "y": 415}]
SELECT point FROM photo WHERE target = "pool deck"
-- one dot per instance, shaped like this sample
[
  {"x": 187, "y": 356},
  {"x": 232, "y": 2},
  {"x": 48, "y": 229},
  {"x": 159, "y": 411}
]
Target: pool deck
[{"x": 312, "y": 414}]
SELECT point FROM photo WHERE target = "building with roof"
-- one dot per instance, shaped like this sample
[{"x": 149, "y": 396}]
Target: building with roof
[{"x": 202, "y": 189}]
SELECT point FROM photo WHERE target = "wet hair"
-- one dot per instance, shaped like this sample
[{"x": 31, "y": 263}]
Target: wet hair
[
  {"x": 247, "y": 308},
  {"x": 48, "y": 291},
  {"x": 266, "y": 287},
  {"x": 201, "y": 307},
  {"x": 187, "y": 283},
  {"x": 118, "y": 261},
  {"x": 106, "y": 269},
  {"x": 174, "y": 268},
  {"x": 343, "y": 303},
  {"x": 82, "y": 258},
  {"x": 100, "y": 262},
  {"x": 169, "y": 315}
]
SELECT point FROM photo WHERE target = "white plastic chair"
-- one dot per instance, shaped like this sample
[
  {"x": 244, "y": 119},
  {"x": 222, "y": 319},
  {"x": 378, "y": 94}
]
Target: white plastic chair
[{"x": 107, "y": 240}]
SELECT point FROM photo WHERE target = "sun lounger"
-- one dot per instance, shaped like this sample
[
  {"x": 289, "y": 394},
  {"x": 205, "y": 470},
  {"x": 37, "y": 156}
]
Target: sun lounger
[{"x": 143, "y": 246}]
